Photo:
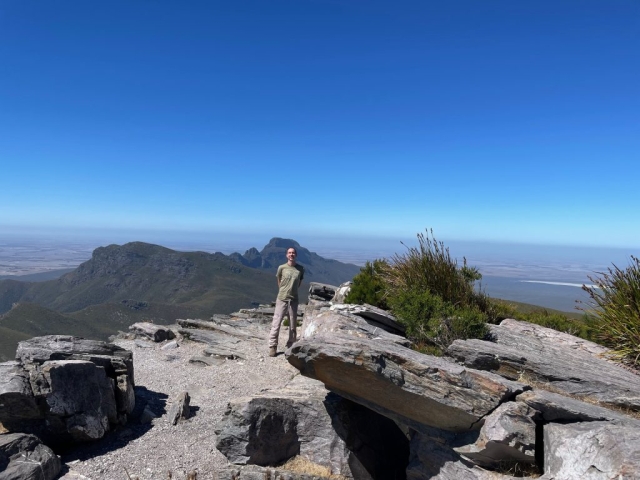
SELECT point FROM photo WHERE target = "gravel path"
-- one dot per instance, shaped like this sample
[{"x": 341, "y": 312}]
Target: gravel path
[{"x": 152, "y": 451}]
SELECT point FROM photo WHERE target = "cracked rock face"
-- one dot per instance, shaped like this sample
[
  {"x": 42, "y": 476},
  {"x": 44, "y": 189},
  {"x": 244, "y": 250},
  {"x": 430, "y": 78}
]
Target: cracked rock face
[
  {"x": 591, "y": 451},
  {"x": 24, "y": 457},
  {"x": 66, "y": 389},
  {"x": 508, "y": 435}
]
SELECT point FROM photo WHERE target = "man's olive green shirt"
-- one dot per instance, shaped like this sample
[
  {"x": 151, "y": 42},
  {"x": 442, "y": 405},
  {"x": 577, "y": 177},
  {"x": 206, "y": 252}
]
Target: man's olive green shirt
[{"x": 289, "y": 279}]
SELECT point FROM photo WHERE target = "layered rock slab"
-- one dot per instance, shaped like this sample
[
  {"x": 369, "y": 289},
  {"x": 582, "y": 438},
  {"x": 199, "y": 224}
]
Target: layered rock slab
[
  {"x": 409, "y": 387},
  {"x": 541, "y": 355}
]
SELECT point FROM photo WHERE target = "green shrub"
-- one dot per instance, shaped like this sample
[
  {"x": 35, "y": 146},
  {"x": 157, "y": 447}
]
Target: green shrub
[
  {"x": 430, "y": 267},
  {"x": 434, "y": 297},
  {"x": 433, "y": 324},
  {"x": 368, "y": 286},
  {"x": 615, "y": 307}
]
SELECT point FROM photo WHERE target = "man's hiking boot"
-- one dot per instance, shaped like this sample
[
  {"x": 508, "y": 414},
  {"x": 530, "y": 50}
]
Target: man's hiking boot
[{"x": 273, "y": 351}]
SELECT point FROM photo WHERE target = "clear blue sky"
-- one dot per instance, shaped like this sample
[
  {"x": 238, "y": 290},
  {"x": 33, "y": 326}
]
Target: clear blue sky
[{"x": 495, "y": 121}]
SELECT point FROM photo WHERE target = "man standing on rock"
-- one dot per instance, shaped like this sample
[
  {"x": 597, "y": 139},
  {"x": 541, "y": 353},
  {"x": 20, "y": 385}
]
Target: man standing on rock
[{"x": 289, "y": 278}]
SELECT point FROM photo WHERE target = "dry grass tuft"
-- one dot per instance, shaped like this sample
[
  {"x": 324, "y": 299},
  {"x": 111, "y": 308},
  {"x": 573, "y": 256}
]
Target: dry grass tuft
[{"x": 300, "y": 464}]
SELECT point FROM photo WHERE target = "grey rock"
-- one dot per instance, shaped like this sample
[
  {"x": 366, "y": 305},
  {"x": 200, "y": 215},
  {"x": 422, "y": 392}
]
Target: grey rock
[
  {"x": 342, "y": 292},
  {"x": 24, "y": 457},
  {"x": 322, "y": 291},
  {"x": 342, "y": 322},
  {"x": 209, "y": 337},
  {"x": 374, "y": 315},
  {"x": 180, "y": 408},
  {"x": 508, "y": 435},
  {"x": 115, "y": 360},
  {"x": 431, "y": 459},
  {"x": 591, "y": 451},
  {"x": 157, "y": 333},
  {"x": 228, "y": 329},
  {"x": 170, "y": 345},
  {"x": 223, "y": 353},
  {"x": 207, "y": 361},
  {"x": 402, "y": 384},
  {"x": 17, "y": 403},
  {"x": 553, "y": 407},
  {"x": 69, "y": 389},
  {"x": 79, "y": 397},
  {"x": 143, "y": 343},
  {"x": 539, "y": 355},
  {"x": 305, "y": 419}
]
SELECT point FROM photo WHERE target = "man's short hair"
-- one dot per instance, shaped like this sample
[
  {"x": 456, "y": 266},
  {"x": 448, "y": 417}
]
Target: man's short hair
[{"x": 292, "y": 248}]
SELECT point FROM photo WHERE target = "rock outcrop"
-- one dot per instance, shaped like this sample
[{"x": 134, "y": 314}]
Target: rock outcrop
[
  {"x": 24, "y": 457},
  {"x": 365, "y": 406},
  {"x": 66, "y": 389},
  {"x": 307, "y": 420},
  {"x": 559, "y": 361}
]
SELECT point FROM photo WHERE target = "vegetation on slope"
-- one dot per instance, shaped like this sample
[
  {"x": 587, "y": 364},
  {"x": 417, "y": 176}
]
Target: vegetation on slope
[
  {"x": 615, "y": 310},
  {"x": 435, "y": 298}
]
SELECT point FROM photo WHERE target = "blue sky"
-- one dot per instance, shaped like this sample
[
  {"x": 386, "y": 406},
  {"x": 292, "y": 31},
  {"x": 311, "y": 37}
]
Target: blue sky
[{"x": 486, "y": 121}]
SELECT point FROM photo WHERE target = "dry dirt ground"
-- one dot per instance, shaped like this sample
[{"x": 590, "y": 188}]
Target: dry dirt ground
[{"x": 161, "y": 450}]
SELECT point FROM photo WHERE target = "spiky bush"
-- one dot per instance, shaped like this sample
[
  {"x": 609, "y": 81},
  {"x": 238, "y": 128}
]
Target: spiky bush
[
  {"x": 615, "y": 302},
  {"x": 434, "y": 297},
  {"x": 429, "y": 266}
]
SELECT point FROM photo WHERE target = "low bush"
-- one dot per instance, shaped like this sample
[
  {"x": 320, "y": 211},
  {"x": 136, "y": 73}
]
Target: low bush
[
  {"x": 432, "y": 323},
  {"x": 368, "y": 286},
  {"x": 615, "y": 309}
]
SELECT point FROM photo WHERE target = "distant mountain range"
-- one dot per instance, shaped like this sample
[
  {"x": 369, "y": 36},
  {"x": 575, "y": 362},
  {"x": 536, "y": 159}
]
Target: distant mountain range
[{"x": 124, "y": 284}]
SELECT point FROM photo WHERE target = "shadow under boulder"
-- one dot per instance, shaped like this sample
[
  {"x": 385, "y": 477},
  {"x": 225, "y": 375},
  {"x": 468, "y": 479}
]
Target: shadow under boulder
[{"x": 305, "y": 419}]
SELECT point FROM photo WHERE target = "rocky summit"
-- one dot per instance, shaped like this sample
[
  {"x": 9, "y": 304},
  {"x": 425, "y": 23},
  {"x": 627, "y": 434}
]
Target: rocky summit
[{"x": 349, "y": 400}]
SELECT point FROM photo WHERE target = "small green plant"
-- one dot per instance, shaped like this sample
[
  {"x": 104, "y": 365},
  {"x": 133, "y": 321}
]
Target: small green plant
[
  {"x": 369, "y": 286},
  {"x": 615, "y": 304}
]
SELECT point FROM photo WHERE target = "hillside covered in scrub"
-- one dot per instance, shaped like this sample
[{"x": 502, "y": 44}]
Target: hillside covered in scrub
[{"x": 124, "y": 284}]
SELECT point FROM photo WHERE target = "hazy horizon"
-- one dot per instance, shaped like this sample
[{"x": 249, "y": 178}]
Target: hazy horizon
[
  {"x": 506, "y": 121},
  {"x": 549, "y": 276}
]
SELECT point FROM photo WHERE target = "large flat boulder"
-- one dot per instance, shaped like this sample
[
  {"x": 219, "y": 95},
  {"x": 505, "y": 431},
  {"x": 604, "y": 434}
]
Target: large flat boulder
[
  {"x": 541, "y": 356},
  {"x": 407, "y": 386}
]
